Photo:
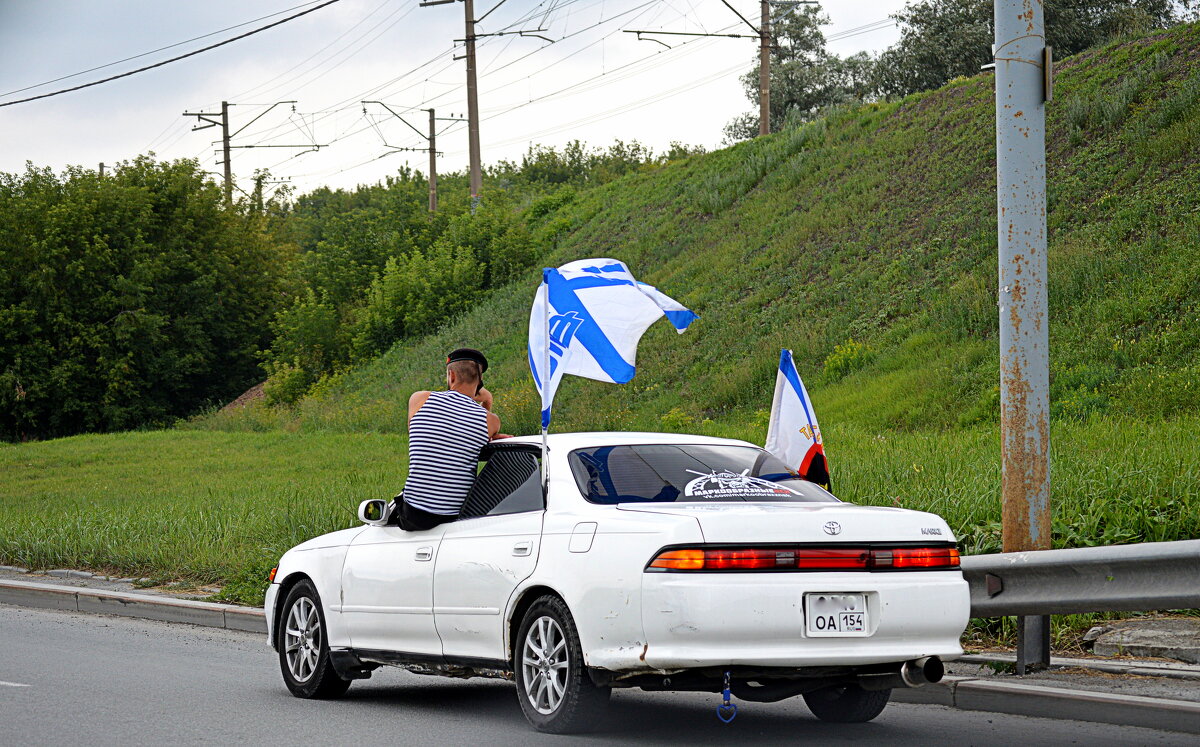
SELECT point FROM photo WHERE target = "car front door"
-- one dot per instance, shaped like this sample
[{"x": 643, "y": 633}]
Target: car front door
[
  {"x": 387, "y": 590},
  {"x": 483, "y": 557}
]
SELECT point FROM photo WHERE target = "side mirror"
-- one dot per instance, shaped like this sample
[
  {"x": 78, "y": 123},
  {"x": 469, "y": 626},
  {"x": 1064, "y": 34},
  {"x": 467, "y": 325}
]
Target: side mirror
[{"x": 373, "y": 511}]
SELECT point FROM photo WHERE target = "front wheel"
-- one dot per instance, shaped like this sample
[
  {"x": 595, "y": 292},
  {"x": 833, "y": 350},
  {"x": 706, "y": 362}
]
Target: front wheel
[
  {"x": 847, "y": 704},
  {"x": 303, "y": 647},
  {"x": 553, "y": 686}
]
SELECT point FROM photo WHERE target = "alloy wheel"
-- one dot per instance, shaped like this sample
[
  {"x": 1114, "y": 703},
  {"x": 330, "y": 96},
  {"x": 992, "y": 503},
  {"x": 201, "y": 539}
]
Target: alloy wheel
[
  {"x": 544, "y": 663},
  {"x": 302, "y": 639}
]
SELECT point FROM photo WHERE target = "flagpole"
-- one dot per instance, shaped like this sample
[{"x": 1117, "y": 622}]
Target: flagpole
[{"x": 545, "y": 386}]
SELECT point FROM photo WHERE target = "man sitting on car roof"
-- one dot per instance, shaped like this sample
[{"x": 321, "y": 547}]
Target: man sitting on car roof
[{"x": 446, "y": 431}]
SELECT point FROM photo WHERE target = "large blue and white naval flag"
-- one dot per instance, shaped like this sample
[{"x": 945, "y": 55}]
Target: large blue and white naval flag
[
  {"x": 793, "y": 434},
  {"x": 587, "y": 319}
]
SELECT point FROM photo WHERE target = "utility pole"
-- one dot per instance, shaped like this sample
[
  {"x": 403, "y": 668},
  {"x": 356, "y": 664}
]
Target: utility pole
[
  {"x": 226, "y": 137},
  {"x": 102, "y": 169},
  {"x": 1023, "y": 66},
  {"x": 473, "y": 108},
  {"x": 762, "y": 32},
  {"x": 764, "y": 70},
  {"x": 223, "y": 123},
  {"x": 473, "y": 87},
  {"x": 431, "y": 138},
  {"x": 225, "y": 148},
  {"x": 432, "y": 162}
]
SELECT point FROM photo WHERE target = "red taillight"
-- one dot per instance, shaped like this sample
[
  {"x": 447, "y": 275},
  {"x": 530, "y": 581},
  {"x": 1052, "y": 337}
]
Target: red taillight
[
  {"x": 833, "y": 559},
  {"x": 804, "y": 558},
  {"x": 738, "y": 560},
  {"x": 925, "y": 557}
]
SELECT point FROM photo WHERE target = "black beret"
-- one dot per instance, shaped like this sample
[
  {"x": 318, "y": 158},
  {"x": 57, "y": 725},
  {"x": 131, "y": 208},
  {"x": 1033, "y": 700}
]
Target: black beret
[{"x": 468, "y": 354}]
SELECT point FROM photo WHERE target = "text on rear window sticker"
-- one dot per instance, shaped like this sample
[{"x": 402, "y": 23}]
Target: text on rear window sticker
[{"x": 716, "y": 484}]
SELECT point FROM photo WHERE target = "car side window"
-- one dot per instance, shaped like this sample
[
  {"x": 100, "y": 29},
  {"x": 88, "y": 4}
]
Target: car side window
[{"x": 509, "y": 483}]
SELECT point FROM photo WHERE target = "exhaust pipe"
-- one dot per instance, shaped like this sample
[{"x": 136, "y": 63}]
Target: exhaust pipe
[
  {"x": 915, "y": 673},
  {"x": 925, "y": 671}
]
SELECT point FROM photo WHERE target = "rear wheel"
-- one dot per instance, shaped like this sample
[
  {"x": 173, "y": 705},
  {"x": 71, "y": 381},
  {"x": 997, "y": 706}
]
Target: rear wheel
[
  {"x": 556, "y": 694},
  {"x": 847, "y": 703},
  {"x": 303, "y": 647}
]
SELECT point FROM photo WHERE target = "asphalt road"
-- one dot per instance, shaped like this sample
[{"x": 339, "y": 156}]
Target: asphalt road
[{"x": 69, "y": 678}]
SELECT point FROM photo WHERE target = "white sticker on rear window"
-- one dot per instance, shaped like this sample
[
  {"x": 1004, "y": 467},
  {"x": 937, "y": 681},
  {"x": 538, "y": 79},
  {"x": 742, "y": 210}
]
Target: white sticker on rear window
[{"x": 725, "y": 483}]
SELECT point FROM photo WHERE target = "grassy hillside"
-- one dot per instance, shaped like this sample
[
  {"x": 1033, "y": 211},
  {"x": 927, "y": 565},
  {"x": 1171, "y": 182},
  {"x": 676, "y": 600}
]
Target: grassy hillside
[{"x": 877, "y": 225}]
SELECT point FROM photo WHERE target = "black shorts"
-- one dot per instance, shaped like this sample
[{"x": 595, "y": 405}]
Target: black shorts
[{"x": 414, "y": 519}]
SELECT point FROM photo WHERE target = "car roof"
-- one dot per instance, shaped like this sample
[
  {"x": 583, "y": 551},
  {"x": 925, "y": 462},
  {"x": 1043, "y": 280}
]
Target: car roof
[{"x": 591, "y": 439}]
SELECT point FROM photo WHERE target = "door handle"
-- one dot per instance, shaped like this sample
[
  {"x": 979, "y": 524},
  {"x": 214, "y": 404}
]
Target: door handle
[
  {"x": 522, "y": 549},
  {"x": 424, "y": 553}
]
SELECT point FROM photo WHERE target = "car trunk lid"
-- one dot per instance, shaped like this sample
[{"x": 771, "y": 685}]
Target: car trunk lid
[{"x": 804, "y": 522}]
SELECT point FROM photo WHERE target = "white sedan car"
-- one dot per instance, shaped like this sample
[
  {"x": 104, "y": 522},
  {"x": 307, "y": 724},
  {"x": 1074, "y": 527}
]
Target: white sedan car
[{"x": 651, "y": 560}]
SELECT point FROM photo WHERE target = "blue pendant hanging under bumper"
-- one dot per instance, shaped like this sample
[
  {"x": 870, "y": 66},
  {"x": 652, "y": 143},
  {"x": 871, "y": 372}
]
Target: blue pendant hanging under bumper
[{"x": 727, "y": 711}]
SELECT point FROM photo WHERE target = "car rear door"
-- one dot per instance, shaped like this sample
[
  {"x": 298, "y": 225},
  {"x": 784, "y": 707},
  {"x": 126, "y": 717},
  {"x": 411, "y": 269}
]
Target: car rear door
[{"x": 483, "y": 558}]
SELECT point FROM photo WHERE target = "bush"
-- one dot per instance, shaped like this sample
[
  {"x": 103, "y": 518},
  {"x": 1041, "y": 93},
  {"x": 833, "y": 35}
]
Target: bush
[
  {"x": 845, "y": 359},
  {"x": 416, "y": 294}
]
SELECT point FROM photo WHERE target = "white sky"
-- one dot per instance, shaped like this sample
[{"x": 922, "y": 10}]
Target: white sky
[{"x": 600, "y": 84}]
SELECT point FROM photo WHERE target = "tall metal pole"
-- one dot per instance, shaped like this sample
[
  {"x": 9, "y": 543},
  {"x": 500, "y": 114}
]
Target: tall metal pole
[
  {"x": 473, "y": 107},
  {"x": 764, "y": 70},
  {"x": 1020, "y": 54},
  {"x": 432, "y": 163},
  {"x": 225, "y": 146}
]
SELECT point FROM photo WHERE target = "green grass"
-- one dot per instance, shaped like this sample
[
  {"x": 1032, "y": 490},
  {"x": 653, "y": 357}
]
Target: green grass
[
  {"x": 215, "y": 507},
  {"x": 204, "y": 507}
]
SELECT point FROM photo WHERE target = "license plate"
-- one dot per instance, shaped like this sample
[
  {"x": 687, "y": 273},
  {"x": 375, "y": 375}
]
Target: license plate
[{"x": 836, "y": 615}]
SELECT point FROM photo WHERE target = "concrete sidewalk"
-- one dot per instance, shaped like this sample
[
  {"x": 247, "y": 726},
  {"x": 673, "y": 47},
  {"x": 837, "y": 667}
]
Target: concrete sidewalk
[{"x": 1154, "y": 694}]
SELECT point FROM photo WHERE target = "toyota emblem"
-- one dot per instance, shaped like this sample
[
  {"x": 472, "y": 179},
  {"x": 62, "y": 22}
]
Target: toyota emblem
[{"x": 832, "y": 527}]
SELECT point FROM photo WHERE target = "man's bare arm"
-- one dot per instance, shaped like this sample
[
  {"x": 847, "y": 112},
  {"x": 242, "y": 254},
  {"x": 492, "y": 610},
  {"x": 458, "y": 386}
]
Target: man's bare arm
[
  {"x": 415, "y": 401},
  {"x": 484, "y": 398},
  {"x": 494, "y": 427}
]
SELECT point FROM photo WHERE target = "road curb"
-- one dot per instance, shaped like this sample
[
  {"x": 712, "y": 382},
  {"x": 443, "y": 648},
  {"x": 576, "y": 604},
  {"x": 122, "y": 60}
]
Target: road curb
[
  {"x": 1022, "y": 699},
  {"x": 129, "y": 604},
  {"x": 1172, "y": 670},
  {"x": 966, "y": 693}
]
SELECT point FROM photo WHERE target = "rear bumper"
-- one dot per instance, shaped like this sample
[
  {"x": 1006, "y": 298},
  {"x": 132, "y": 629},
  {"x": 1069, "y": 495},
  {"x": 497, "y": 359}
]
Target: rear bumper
[{"x": 757, "y": 619}]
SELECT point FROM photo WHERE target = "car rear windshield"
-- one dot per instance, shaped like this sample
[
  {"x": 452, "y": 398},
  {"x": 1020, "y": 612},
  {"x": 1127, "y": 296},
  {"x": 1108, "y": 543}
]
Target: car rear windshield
[{"x": 668, "y": 473}]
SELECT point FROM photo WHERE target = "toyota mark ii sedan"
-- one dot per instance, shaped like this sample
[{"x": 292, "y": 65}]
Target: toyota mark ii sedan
[{"x": 649, "y": 560}]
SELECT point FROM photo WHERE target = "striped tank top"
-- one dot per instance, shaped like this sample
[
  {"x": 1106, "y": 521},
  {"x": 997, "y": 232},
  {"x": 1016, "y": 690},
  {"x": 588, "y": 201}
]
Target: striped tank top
[{"x": 444, "y": 440}]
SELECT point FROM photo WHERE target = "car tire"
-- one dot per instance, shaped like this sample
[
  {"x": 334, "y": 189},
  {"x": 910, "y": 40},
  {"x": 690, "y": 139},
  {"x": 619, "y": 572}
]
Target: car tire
[
  {"x": 847, "y": 704},
  {"x": 556, "y": 693},
  {"x": 304, "y": 646}
]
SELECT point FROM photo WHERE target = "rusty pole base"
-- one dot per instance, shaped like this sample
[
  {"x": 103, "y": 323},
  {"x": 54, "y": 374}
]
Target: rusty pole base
[{"x": 1033, "y": 644}]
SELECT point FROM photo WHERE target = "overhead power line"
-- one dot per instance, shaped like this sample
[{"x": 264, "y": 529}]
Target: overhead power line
[
  {"x": 156, "y": 51},
  {"x": 173, "y": 59}
]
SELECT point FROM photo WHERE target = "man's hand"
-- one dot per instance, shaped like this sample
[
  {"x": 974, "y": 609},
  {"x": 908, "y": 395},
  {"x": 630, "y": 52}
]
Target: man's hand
[{"x": 499, "y": 436}]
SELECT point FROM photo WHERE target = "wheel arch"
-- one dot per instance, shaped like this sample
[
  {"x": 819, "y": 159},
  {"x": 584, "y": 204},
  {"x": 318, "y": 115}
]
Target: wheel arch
[
  {"x": 285, "y": 588},
  {"x": 522, "y": 604}
]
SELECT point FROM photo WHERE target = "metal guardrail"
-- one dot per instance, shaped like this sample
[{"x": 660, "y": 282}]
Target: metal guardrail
[{"x": 1147, "y": 576}]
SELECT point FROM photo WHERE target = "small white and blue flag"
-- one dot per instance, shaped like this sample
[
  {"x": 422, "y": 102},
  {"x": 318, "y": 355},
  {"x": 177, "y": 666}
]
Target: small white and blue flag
[
  {"x": 587, "y": 319},
  {"x": 793, "y": 434}
]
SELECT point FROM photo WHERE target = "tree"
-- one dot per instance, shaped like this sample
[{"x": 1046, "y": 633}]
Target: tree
[
  {"x": 943, "y": 39},
  {"x": 805, "y": 79},
  {"x": 128, "y": 299}
]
